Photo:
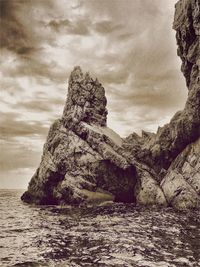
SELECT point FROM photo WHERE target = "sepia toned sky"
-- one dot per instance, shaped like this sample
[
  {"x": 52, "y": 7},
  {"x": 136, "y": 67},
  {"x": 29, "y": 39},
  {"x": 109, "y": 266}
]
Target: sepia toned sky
[{"x": 128, "y": 44}]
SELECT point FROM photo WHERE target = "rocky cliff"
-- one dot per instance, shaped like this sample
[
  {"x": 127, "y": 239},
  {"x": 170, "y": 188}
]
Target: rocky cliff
[
  {"x": 176, "y": 145},
  {"x": 85, "y": 161},
  {"x": 160, "y": 149}
]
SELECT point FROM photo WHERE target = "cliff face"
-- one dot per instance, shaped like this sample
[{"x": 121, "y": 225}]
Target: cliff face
[
  {"x": 85, "y": 161},
  {"x": 181, "y": 183},
  {"x": 187, "y": 26}
]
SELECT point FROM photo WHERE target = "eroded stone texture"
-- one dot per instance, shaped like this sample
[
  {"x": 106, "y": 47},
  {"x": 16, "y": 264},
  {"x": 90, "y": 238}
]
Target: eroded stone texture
[
  {"x": 86, "y": 100},
  {"x": 82, "y": 160},
  {"x": 181, "y": 185},
  {"x": 147, "y": 190},
  {"x": 160, "y": 149}
]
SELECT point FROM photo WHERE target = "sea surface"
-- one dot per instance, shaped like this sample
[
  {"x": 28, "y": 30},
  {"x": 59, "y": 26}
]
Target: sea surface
[{"x": 114, "y": 235}]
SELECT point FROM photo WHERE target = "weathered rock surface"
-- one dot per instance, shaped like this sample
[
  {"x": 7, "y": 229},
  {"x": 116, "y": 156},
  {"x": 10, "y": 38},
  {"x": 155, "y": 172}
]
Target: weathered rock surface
[
  {"x": 181, "y": 184},
  {"x": 85, "y": 161},
  {"x": 86, "y": 100},
  {"x": 160, "y": 149},
  {"x": 81, "y": 159},
  {"x": 164, "y": 151}
]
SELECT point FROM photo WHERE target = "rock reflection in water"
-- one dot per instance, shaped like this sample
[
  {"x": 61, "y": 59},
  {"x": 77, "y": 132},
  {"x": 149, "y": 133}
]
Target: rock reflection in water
[{"x": 114, "y": 235}]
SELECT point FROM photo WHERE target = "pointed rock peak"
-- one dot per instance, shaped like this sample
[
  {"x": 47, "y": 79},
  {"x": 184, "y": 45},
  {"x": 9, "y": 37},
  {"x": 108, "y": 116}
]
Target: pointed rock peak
[
  {"x": 87, "y": 77},
  {"x": 97, "y": 82},
  {"x": 86, "y": 100},
  {"x": 76, "y": 75}
]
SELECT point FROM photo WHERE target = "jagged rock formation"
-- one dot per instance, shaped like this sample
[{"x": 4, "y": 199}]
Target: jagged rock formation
[
  {"x": 82, "y": 160},
  {"x": 181, "y": 183},
  {"x": 86, "y": 101},
  {"x": 164, "y": 151},
  {"x": 162, "y": 148},
  {"x": 85, "y": 161}
]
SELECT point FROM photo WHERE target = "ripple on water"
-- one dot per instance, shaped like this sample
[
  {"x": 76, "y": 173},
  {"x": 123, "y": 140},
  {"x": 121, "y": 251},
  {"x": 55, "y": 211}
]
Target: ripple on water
[{"x": 116, "y": 235}]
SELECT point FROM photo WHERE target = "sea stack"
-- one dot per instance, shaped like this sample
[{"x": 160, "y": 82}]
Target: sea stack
[
  {"x": 82, "y": 161},
  {"x": 85, "y": 161}
]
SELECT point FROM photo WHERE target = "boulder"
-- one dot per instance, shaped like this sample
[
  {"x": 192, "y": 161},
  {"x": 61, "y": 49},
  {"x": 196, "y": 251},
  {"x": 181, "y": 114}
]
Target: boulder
[{"x": 181, "y": 184}]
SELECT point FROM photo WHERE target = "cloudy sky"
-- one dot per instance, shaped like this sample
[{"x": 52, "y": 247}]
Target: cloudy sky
[{"x": 128, "y": 44}]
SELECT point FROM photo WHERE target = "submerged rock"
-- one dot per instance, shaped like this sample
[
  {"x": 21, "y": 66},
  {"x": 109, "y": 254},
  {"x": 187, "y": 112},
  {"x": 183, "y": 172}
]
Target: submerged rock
[{"x": 86, "y": 162}]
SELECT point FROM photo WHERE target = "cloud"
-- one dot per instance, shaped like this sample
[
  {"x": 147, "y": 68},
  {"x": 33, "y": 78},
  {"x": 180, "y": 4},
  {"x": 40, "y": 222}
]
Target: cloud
[
  {"x": 17, "y": 33},
  {"x": 13, "y": 35},
  {"x": 79, "y": 27},
  {"x": 41, "y": 106},
  {"x": 36, "y": 67},
  {"x": 106, "y": 27},
  {"x": 11, "y": 127},
  {"x": 23, "y": 41},
  {"x": 58, "y": 24},
  {"x": 17, "y": 155}
]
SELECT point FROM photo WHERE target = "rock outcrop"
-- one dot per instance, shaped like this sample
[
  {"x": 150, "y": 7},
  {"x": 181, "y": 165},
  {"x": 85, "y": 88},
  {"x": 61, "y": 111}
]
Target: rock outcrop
[
  {"x": 82, "y": 160},
  {"x": 181, "y": 184},
  {"x": 165, "y": 151},
  {"x": 85, "y": 161}
]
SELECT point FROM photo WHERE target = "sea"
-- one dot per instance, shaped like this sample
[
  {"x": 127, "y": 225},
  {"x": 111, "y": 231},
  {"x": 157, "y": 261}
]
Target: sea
[{"x": 114, "y": 234}]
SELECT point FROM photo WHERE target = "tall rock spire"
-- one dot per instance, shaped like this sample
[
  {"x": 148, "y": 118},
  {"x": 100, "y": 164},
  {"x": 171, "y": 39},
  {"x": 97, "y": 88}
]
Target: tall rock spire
[{"x": 86, "y": 100}]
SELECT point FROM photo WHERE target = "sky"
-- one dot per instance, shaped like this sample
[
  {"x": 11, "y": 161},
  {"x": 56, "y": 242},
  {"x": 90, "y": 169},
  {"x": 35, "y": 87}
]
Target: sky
[{"x": 128, "y": 44}]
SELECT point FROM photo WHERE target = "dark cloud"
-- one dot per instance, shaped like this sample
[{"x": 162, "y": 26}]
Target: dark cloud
[
  {"x": 106, "y": 27},
  {"x": 21, "y": 30},
  {"x": 124, "y": 36},
  {"x": 58, "y": 24},
  {"x": 79, "y": 27},
  {"x": 16, "y": 33},
  {"x": 37, "y": 68},
  {"x": 23, "y": 35},
  {"x": 127, "y": 11},
  {"x": 13, "y": 34}
]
